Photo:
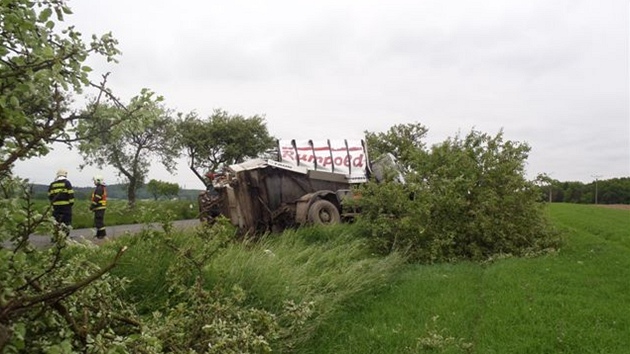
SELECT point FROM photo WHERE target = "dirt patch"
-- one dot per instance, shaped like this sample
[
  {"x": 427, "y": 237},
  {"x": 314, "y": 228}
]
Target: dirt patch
[{"x": 615, "y": 206}]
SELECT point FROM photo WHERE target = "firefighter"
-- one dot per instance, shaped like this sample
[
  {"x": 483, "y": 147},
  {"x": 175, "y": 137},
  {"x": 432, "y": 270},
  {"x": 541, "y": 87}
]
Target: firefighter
[
  {"x": 61, "y": 197},
  {"x": 98, "y": 205}
]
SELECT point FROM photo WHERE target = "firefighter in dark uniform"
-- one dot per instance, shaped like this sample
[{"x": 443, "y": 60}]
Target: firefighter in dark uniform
[
  {"x": 61, "y": 197},
  {"x": 98, "y": 205}
]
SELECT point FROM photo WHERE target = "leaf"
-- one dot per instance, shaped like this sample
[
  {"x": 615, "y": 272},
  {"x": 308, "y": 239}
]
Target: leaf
[
  {"x": 59, "y": 14},
  {"x": 48, "y": 52},
  {"x": 45, "y": 14}
]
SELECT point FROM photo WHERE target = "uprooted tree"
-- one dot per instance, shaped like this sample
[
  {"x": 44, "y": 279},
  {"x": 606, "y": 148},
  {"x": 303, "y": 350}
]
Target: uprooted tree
[{"x": 465, "y": 198}]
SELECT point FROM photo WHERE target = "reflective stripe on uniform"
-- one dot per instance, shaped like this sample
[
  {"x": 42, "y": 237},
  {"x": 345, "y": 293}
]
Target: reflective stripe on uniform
[{"x": 60, "y": 193}]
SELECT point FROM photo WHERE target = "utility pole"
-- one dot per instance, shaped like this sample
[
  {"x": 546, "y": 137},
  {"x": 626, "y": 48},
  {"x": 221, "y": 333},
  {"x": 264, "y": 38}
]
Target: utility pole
[
  {"x": 550, "y": 188},
  {"x": 596, "y": 177}
]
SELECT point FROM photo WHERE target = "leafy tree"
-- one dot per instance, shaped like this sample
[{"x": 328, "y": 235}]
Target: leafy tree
[
  {"x": 404, "y": 141},
  {"x": 162, "y": 189},
  {"x": 468, "y": 199},
  {"x": 222, "y": 139},
  {"x": 547, "y": 185},
  {"x": 41, "y": 67},
  {"x": 615, "y": 191},
  {"x": 146, "y": 131},
  {"x": 48, "y": 302},
  {"x": 572, "y": 192}
]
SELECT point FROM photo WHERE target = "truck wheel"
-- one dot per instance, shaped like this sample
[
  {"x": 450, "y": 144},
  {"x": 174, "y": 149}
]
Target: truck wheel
[{"x": 323, "y": 212}]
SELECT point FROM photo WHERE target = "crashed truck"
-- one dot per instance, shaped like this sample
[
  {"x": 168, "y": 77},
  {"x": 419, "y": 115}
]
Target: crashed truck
[{"x": 306, "y": 183}]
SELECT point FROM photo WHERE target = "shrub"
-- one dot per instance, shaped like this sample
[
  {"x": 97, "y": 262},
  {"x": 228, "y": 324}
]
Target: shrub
[{"x": 464, "y": 199}]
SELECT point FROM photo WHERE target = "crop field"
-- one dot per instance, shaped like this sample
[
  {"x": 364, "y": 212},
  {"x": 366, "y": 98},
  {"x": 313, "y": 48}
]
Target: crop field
[{"x": 573, "y": 300}]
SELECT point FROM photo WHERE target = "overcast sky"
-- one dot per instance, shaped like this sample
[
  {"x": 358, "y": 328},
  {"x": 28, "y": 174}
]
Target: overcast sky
[{"x": 553, "y": 74}]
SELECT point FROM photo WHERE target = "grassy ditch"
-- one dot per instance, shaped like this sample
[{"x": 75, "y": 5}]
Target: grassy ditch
[
  {"x": 573, "y": 301},
  {"x": 316, "y": 271}
]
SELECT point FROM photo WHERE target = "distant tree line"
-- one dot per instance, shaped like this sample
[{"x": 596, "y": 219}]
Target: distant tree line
[{"x": 609, "y": 191}]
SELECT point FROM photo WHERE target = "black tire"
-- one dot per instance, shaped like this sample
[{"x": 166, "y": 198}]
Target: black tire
[{"x": 323, "y": 212}]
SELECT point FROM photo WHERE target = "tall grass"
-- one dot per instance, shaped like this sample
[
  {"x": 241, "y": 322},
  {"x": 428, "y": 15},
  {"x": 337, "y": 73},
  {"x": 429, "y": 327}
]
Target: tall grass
[
  {"x": 326, "y": 267},
  {"x": 575, "y": 301}
]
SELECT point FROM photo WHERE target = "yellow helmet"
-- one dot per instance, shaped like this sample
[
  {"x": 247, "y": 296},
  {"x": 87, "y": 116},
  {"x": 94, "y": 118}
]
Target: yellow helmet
[
  {"x": 97, "y": 179},
  {"x": 62, "y": 172}
]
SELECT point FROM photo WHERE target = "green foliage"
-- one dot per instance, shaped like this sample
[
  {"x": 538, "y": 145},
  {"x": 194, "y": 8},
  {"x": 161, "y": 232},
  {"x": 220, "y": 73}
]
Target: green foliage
[
  {"x": 51, "y": 301},
  {"x": 145, "y": 130},
  {"x": 215, "y": 322},
  {"x": 87, "y": 319},
  {"x": 162, "y": 189},
  {"x": 48, "y": 302},
  {"x": 404, "y": 141},
  {"x": 185, "y": 312},
  {"x": 222, "y": 139},
  {"x": 41, "y": 67},
  {"x": 465, "y": 198},
  {"x": 20, "y": 215},
  {"x": 207, "y": 321}
]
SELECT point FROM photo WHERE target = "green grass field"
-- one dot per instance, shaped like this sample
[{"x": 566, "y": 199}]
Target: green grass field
[{"x": 574, "y": 301}]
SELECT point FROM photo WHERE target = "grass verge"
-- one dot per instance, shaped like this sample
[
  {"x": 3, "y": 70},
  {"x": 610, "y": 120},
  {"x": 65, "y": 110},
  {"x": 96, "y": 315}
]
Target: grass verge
[{"x": 574, "y": 301}]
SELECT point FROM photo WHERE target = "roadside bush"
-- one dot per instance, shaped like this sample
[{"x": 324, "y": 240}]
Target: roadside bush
[{"x": 466, "y": 198}]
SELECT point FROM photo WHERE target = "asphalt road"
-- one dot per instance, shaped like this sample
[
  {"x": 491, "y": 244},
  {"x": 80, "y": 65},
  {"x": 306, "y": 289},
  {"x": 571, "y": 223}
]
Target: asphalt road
[{"x": 112, "y": 232}]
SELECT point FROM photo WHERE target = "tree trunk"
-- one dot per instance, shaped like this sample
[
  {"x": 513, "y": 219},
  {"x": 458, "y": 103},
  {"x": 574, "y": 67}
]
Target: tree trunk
[{"x": 131, "y": 193}]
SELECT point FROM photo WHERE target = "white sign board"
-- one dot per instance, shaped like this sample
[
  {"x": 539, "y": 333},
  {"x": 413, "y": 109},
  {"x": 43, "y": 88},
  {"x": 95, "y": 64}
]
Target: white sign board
[{"x": 347, "y": 157}]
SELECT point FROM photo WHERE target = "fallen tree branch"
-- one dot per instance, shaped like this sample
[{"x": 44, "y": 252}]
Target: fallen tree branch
[{"x": 16, "y": 305}]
